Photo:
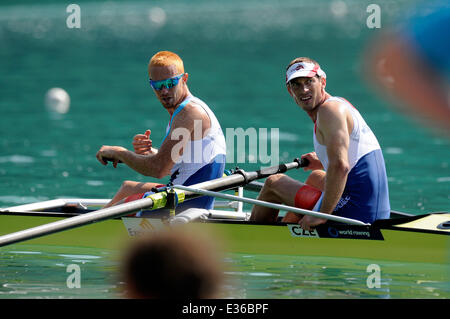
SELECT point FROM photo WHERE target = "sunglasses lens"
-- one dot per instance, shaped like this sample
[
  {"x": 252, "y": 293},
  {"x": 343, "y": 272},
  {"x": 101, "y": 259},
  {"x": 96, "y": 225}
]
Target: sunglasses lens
[
  {"x": 169, "y": 83},
  {"x": 157, "y": 85},
  {"x": 172, "y": 82},
  {"x": 160, "y": 85}
]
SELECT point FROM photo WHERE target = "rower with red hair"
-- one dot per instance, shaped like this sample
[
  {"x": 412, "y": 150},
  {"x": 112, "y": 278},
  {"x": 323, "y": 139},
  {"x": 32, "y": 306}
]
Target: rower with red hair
[{"x": 193, "y": 149}]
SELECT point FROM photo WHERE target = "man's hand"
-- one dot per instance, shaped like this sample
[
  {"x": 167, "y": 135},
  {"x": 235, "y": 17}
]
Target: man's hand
[
  {"x": 314, "y": 162},
  {"x": 142, "y": 143},
  {"x": 107, "y": 152},
  {"x": 309, "y": 222}
]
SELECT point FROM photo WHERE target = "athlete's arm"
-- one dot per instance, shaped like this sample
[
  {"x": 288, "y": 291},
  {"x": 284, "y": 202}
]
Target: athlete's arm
[
  {"x": 333, "y": 127},
  {"x": 159, "y": 165}
]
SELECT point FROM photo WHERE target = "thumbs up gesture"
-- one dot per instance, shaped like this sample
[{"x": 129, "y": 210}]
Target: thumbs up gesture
[{"x": 142, "y": 143}]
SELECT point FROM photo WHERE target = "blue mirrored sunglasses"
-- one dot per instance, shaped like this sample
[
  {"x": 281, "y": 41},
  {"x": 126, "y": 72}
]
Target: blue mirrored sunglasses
[{"x": 167, "y": 83}]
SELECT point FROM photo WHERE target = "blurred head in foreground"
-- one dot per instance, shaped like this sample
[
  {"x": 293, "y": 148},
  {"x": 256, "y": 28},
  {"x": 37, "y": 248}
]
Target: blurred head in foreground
[
  {"x": 172, "y": 264},
  {"x": 411, "y": 63}
]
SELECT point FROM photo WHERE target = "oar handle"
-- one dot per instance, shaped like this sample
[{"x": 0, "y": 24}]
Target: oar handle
[
  {"x": 282, "y": 168},
  {"x": 303, "y": 162}
]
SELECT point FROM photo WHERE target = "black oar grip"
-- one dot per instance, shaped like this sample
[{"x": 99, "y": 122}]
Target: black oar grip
[
  {"x": 267, "y": 171},
  {"x": 302, "y": 162}
]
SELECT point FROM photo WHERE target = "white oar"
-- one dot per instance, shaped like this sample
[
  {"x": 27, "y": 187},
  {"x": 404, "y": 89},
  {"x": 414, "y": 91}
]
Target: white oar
[
  {"x": 226, "y": 182},
  {"x": 72, "y": 222},
  {"x": 272, "y": 205}
]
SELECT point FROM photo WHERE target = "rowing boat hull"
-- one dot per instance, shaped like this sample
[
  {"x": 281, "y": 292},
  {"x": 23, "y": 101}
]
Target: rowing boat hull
[{"x": 397, "y": 244}]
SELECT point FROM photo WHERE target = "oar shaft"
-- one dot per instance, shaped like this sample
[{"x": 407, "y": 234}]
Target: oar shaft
[
  {"x": 105, "y": 213},
  {"x": 273, "y": 205},
  {"x": 72, "y": 222},
  {"x": 123, "y": 209},
  {"x": 235, "y": 180}
]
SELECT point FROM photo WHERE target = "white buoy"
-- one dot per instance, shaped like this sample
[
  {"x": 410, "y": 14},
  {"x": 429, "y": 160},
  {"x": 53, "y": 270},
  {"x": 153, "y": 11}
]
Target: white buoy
[
  {"x": 57, "y": 100},
  {"x": 157, "y": 16}
]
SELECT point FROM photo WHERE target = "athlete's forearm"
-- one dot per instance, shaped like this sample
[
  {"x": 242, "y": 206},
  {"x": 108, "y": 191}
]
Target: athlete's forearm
[
  {"x": 148, "y": 165},
  {"x": 335, "y": 181}
]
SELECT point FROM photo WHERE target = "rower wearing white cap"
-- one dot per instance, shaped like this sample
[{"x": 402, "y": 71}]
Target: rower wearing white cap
[{"x": 348, "y": 171}]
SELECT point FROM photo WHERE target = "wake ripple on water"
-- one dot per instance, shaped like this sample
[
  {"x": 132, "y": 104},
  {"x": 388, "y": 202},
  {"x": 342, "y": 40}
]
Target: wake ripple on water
[{"x": 17, "y": 159}]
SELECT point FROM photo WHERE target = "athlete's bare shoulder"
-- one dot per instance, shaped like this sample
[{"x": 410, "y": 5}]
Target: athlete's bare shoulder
[
  {"x": 191, "y": 113},
  {"x": 331, "y": 109},
  {"x": 334, "y": 114},
  {"x": 194, "y": 110}
]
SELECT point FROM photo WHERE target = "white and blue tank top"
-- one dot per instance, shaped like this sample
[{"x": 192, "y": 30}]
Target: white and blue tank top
[
  {"x": 366, "y": 195},
  {"x": 198, "y": 153}
]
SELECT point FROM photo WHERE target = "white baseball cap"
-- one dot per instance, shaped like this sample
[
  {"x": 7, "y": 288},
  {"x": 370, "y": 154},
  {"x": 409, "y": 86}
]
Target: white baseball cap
[{"x": 304, "y": 69}]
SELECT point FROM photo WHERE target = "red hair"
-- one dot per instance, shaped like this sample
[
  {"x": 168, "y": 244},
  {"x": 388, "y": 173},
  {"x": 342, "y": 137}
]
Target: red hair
[{"x": 166, "y": 58}]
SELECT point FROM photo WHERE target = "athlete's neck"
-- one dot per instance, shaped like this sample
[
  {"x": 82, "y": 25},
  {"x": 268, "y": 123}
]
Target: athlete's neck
[
  {"x": 186, "y": 95},
  {"x": 313, "y": 113}
]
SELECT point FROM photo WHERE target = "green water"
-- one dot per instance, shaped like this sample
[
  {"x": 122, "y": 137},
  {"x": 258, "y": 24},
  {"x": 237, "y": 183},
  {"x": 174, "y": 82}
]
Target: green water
[
  {"x": 235, "y": 54},
  {"x": 42, "y": 272}
]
